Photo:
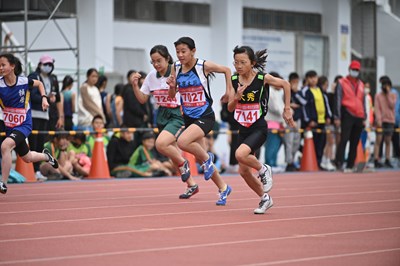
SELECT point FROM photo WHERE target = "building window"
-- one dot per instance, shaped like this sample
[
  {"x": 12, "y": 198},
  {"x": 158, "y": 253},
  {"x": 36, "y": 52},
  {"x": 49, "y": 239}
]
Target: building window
[
  {"x": 67, "y": 6},
  {"x": 162, "y": 11},
  {"x": 281, "y": 20}
]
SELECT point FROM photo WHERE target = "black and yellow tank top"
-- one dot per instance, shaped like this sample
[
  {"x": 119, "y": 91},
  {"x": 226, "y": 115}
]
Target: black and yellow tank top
[{"x": 253, "y": 105}]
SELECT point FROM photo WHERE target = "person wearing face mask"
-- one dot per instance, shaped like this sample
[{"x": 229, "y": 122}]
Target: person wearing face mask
[
  {"x": 51, "y": 118},
  {"x": 385, "y": 102},
  {"x": 349, "y": 114}
]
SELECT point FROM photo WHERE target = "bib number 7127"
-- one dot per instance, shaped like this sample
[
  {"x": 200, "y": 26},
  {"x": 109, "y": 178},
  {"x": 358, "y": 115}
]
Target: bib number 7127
[{"x": 192, "y": 96}]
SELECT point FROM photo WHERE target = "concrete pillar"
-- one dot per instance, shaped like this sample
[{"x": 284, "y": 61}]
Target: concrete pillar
[
  {"x": 226, "y": 29},
  {"x": 96, "y": 19},
  {"x": 226, "y": 33},
  {"x": 337, "y": 25}
]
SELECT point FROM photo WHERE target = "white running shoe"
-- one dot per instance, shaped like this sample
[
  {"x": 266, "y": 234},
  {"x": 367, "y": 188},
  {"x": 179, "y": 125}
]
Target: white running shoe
[
  {"x": 329, "y": 166},
  {"x": 266, "y": 178},
  {"x": 3, "y": 188},
  {"x": 40, "y": 177},
  {"x": 264, "y": 205}
]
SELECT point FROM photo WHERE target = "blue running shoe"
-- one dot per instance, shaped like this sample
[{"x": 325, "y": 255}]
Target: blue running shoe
[
  {"x": 223, "y": 195},
  {"x": 185, "y": 171},
  {"x": 208, "y": 167}
]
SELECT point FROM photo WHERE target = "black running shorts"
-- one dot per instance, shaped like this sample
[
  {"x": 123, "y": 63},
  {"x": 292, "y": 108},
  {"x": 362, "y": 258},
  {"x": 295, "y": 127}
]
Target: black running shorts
[
  {"x": 253, "y": 138},
  {"x": 21, "y": 147},
  {"x": 206, "y": 122}
]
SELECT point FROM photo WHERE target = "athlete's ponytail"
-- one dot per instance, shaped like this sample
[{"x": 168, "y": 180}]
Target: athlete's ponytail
[
  {"x": 259, "y": 59},
  {"x": 13, "y": 60}
]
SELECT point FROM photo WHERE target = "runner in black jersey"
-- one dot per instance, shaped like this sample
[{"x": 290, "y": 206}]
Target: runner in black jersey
[{"x": 249, "y": 102}]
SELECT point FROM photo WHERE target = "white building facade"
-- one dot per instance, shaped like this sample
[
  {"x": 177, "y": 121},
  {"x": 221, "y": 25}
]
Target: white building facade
[{"x": 117, "y": 35}]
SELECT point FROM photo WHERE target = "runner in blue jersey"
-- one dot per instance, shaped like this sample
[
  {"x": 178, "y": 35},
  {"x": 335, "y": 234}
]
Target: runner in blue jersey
[
  {"x": 249, "y": 102},
  {"x": 190, "y": 78},
  {"x": 15, "y": 103}
]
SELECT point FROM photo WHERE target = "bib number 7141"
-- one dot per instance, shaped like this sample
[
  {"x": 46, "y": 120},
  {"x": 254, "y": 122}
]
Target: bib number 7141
[{"x": 246, "y": 116}]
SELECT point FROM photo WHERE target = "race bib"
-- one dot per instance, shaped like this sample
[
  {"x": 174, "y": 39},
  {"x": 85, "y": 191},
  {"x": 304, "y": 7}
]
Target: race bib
[
  {"x": 14, "y": 116},
  {"x": 193, "y": 96},
  {"x": 162, "y": 99},
  {"x": 247, "y": 114}
]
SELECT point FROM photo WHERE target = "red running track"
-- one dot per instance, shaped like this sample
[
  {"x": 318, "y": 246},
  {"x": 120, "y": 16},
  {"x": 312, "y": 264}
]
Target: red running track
[{"x": 318, "y": 219}]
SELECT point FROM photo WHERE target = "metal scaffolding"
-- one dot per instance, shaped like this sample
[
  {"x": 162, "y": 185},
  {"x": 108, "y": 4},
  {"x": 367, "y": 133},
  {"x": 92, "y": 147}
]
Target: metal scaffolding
[{"x": 23, "y": 13}]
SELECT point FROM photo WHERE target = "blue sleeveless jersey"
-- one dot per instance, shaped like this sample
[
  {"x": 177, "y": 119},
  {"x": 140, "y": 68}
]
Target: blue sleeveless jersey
[
  {"x": 194, "y": 104},
  {"x": 15, "y": 103}
]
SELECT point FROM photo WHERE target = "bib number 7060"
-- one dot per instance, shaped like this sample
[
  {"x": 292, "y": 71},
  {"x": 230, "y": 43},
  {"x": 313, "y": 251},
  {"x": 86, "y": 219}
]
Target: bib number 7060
[{"x": 14, "y": 116}]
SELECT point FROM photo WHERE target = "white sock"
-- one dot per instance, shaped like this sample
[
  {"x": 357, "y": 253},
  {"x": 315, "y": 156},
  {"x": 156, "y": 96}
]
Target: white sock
[{"x": 262, "y": 170}]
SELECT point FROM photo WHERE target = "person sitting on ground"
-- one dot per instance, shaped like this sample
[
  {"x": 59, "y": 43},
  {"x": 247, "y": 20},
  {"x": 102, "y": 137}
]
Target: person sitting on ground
[
  {"x": 58, "y": 149},
  {"x": 120, "y": 149},
  {"x": 98, "y": 126},
  {"x": 145, "y": 158},
  {"x": 81, "y": 151}
]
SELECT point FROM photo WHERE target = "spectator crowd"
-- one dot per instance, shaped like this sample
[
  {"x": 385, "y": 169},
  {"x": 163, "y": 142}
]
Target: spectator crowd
[{"x": 340, "y": 115}]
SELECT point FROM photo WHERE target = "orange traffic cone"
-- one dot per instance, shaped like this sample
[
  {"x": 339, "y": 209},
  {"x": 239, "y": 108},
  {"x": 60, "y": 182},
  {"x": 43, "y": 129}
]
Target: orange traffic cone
[
  {"x": 99, "y": 167},
  {"x": 309, "y": 159},
  {"x": 360, "y": 158},
  {"x": 25, "y": 169},
  {"x": 192, "y": 163}
]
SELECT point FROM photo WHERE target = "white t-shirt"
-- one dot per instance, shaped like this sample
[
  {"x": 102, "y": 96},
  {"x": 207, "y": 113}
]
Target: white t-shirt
[
  {"x": 84, "y": 117},
  {"x": 158, "y": 87}
]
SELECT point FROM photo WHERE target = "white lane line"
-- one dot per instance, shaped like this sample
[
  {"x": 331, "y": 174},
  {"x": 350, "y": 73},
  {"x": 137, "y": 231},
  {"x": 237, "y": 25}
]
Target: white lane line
[
  {"x": 342, "y": 255},
  {"x": 292, "y": 178},
  {"x": 192, "y": 202},
  {"x": 143, "y": 230},
  {"x": 189, "y": 202},
  {"x": 102, "y": 199},
  {"x": 239, "y": 242},
  {"x": 79, "y": 190}
]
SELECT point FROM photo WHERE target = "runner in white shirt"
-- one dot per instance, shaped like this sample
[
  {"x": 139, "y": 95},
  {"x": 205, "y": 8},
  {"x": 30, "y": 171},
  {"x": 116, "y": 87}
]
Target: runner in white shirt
[{"x": 169, "y": 118}]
